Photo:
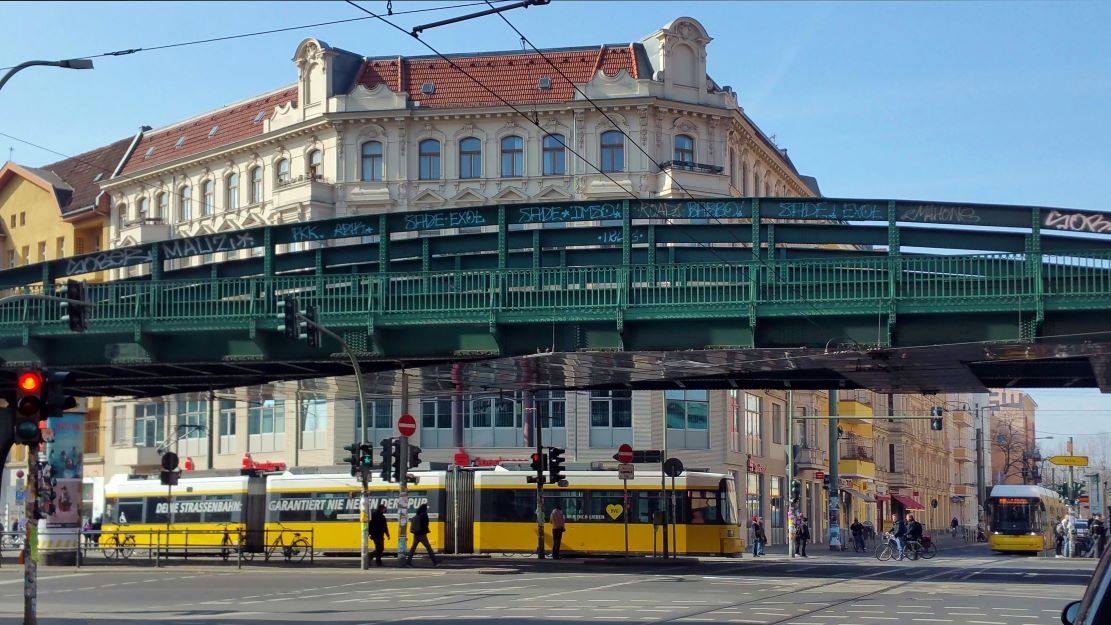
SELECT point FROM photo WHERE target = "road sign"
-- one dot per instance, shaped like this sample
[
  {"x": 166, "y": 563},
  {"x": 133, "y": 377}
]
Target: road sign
[
  {"x": 406, "y": 425},
  {"x": 624, "y": 453},
  {"x": 1069, "y": 461},
  {"x": 673, "y": 467},
  {"x": 819, "y": 475},
  {"x": 648, "y": 456},
  {"x": 625, "y": 471}
]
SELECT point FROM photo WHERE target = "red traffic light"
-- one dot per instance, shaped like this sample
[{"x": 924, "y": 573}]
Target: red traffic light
[
  {"x": 30, "y": 382},
  {"x": 536, "y": 457}
]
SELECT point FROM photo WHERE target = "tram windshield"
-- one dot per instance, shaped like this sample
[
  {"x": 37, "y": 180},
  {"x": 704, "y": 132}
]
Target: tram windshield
[{"x": 1014, "y": 515}]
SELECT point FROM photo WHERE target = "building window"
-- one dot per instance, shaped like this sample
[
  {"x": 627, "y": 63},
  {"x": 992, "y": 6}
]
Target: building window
[
  {"x": 753, "y": 429},
  {"x": 470, "y": 158},
  {"x": 191, "y": 419},
  {"x": 233, "y": 192},
  {"x": 283, "y": 171},
  {"x": 775, "y": 492},
  {"x": 42, "y": 251},
  {"x": 226, "y": 444},
  {"x": 119, "y": 425},
  {"x": 314, "y": 162},
  {"x": 555, "y": 156},
  {"x": 26, "y": 253},
  {"x": 61, "y": 247},
  {"x": 163, "y": 206},
  {"x": 185, "y": 203},
  {"x": 512, "y": 157},
  {"x": 266, "y": 417},
  {"x": 753, "y": 497},
  {"x": 611, "y": 418},
  {"x": 144, "y": 209},
  {"x": 380, "y": 423},
  {"x": 684, "y": 149},
  {"x": 314, "y": 422},
  {"x": 429, "y": 154},
  {"x": 256, "y": 185},
  {"x": 13, "y": 220},
  {"x": 778, "y": 433},
  {"x": 732, "y": 168},
  {"x": 688, "y": 415},
  {"x": 736, "y": 423},
  {"x": 208, "y": 198},
  {"x": 11, "y": 258},
  {"x": 23, "y": 219},
  {"x": 150, "y": 423},
  {"x": 613, "y": 151},
  {"x": 372, "y": 161}
]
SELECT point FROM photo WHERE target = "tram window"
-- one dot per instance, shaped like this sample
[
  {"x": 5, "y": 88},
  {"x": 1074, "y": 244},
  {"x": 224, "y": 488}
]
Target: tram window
[
  {"x": 338, "y": 507},
  {"x": 508, "y": 505},
  {"x": 129, "y": 511},
  {"x": 644, "y": 504},
  {"x": 291, "y": 507},
  {"x": 187, "y": 509},
  {"x": 223, "y": 509},
  {"x": 156, "y": 510},
  {"x": 572, "y": 502},
  {"x": 1011, "y": 518},
  {"x": 704, "y": 507},
  {"x": 727, "y": 502}
]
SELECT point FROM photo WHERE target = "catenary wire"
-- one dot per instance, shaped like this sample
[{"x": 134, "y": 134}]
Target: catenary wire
[{"x": 181, "y": 44}]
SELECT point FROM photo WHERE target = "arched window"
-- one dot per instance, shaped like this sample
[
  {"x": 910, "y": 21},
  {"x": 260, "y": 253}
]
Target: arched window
[
  {"x": 208, "y": 198},
  {"x": 144, "y": 209},
  {"x": 233, "y": 192},
  {"x": 372, "y": 161},
  {"x": 163, "y": 206},
  {"x": 684, "y": 149},
  {"x": 256, "y": 185},
  {"x": 744, "y": 178},
  {"x": 613, "y": 151},
  {"x": 470, "y": 158},
  {"x": 732, "y": 168},
  {"x": 512, "y": 157},
  {"x": 185, "y": 203},
  {"x": 555, "y": 155},
  {"x": 314, "y": 162},
  {"x": 429, "y": 154},
  {"x": 282, "y": 169},
  {"x": 121, "y": 219}
]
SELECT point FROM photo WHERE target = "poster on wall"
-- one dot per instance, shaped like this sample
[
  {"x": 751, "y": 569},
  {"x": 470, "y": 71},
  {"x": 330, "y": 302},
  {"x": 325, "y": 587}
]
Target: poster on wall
[{"x": 66, "y": 456}]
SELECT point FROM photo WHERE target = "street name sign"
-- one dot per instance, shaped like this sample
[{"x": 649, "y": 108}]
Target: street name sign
[{"x": 1069, "y": 461}]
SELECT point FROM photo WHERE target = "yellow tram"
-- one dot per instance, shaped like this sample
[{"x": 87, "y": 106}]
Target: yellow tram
[{"x": 1021, "y": 518}]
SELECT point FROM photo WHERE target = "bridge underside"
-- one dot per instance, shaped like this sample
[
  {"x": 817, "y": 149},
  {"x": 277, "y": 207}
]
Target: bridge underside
[{"x": 953, "y": 368}]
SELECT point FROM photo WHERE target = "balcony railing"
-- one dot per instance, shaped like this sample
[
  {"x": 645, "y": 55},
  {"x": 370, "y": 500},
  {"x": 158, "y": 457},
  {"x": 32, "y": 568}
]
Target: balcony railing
[
  {"x": 856, "y": 449},
  {"x": 702, "y": 168}
]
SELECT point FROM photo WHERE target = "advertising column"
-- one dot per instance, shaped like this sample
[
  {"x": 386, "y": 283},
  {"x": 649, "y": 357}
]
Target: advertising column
[{"x": 63, "y": 460}]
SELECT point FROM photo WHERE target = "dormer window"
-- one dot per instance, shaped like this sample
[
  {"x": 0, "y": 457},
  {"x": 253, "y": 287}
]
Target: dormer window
[
  {"x": 101, "y": 175},
  {"x": 212, "y": 133},
  {"x": 150, "y": 152},
  {"x": 544, "y": 83},
  {"x": 180, "y": 141},
  {"x": 258, "y": 118},
  {"x": 428, "y": 88}
]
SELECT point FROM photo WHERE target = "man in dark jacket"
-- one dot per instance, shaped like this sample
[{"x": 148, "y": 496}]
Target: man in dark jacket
[
  {"x": 378, "y": 530},
  {"x": 857, "y": 529},
  {"x": 420, "y": 528},
  {"x": 899, "y": 534},
  {"x": 758, "y": 537},
  {"x": 802, "y": 536}
]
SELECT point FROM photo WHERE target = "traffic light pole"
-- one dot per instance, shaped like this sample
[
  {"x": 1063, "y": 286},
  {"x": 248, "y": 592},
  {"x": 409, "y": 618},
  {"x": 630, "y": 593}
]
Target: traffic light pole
[
  {"x": 30, "y": 540},
  {"x": 403, "y": 486},
  {"x": 792, "y": 510},
  {"x": 537, "y": 432},
  {"x": 834, "y": 488}
]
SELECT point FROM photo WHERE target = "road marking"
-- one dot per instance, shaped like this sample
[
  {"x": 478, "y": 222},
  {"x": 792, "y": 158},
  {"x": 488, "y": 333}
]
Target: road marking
[
  {"x": 879, "y": 618},
  {"x": 934, "y": 620},
  {"x": 19, "y": 580}
]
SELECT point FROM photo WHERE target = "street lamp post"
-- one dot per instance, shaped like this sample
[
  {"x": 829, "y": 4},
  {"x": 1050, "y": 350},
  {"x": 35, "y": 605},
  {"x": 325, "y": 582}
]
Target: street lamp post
[{"x": 67, "y": 63}]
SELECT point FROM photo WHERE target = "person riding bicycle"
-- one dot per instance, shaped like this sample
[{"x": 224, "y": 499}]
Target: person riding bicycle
[
  {"x": 914, "y": 530},
  {"x": 954, "y": 525},
  {"x": 857, "y": 529},
  {"x": 898, "y": 534}
]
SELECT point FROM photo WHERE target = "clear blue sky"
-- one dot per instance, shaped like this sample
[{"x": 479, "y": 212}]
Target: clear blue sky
[{"x": 1006, "y": 102}]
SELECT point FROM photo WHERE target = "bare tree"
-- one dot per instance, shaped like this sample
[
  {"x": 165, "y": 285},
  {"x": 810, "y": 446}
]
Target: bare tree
[{"x": 1009, "y": 441}]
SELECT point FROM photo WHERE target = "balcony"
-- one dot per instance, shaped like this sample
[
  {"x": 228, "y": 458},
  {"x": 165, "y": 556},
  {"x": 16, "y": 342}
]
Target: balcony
[
  {"x": 812, "y": 459},
  {"x": 136, "y": 456},
  {"x": 856, "y": 458},
  {"x": 964, "y": 490},
  {"x": 145, "y": 230},
  {"x": 963, "y": 455},
  {"x": 304, "y": 191},
  {"x": 695, "y": 177}
]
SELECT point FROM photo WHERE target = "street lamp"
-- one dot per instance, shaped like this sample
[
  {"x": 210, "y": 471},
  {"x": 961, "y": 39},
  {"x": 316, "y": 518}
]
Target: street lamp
[{"x": 67, "y": 63}]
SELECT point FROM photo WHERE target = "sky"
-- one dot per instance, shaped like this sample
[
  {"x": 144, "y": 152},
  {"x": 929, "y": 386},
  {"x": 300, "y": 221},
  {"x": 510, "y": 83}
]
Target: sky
[{"x": 996, "y": 102}]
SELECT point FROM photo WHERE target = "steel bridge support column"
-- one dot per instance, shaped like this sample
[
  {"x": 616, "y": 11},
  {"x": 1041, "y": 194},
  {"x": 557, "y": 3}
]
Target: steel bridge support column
[{"x": 834, "y": 491}]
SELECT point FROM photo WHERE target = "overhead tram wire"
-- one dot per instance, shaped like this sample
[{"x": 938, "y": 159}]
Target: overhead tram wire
[{"x": 130, "y": 51}]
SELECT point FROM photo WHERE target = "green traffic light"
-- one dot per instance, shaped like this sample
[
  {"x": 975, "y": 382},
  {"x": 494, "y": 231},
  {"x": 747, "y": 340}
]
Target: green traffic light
[{"x": 26, "y": 430}]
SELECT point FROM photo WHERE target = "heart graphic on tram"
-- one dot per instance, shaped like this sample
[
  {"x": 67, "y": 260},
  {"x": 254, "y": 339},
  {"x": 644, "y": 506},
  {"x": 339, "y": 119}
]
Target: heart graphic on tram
[{"x": 614, "y": 510}]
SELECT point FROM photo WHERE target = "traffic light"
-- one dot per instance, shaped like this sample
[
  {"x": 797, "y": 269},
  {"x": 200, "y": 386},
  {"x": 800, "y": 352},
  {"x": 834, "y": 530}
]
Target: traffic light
[
  {"x": 28, "y": 408},
  {"x": 538, "y": 466},
  {"x": 414, "y": 456},
  {"x": 935, "y": 422},
  {"x": 73, "y": 312},
  {"x": 387, "y": 459},
  {"x": 287, "y": 313},
  {"x": 825, "y": 482},
  {"x": 353, "y": 459},
  {"x": 54, "y": 398},
  {"x": 796, "y": 491},
  {"x": 555, "y": 465},
  {"x": 395, "y": 457},
  {"x": 316, "y": 337}
]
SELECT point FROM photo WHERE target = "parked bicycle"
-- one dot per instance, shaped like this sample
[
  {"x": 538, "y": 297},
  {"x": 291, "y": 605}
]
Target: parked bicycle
[
  {"x": 233, "y": 541},
  {"x": 295, "y": 551},
  {"x": 117, "y": 546}
]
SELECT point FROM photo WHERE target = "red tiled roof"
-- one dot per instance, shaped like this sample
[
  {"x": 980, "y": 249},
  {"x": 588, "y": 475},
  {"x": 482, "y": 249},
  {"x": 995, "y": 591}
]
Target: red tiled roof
[
  {"x": 235, "y": 123},
  {"x": 511, "y": 76},
  {"x": 80, "y": 171}
]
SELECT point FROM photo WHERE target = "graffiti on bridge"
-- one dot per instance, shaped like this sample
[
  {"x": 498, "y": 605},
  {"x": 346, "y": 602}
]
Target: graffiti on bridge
[
  {"x": 833, "y": 211},
  {"x": 312, "y": 232},
  {"x": 445, "y": 219},
  {"x": 571, "y": 212},
  {"x": 1096, "y": 223}
]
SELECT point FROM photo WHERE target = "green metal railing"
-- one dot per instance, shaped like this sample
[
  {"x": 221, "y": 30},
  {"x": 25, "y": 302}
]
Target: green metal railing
[{"x": 968, "y": 283}]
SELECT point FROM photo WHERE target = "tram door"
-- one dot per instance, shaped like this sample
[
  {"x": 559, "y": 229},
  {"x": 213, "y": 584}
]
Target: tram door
[
  {"x": 459, "y": 512},
  {"x": 254, "y": 513}
]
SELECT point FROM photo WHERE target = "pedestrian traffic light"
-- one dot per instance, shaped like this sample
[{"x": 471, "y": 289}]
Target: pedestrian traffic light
[
  {"x": 387, "y": 459},
  {"x": 538, "y": 466},
  {"x": 414, "y": 456},
  {"x": 555, "y": 465},
  {"x": 28, "y": 408},
  {"x": 366, "y": 455},
  {"x": 312, "y": 327},
  {"x": 936, "y": 423},
  {"x": 74, "y": 312},
  {"x": 287, "y": 313},
  {"x": 796, "y": 491},
  {"x": 395, "y": 458},
  {"x": 352, "y": 459}
]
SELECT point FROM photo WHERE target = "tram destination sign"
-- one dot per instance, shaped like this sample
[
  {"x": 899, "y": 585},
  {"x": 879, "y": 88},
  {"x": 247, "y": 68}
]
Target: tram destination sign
[{"x": 1069, "y": 461}]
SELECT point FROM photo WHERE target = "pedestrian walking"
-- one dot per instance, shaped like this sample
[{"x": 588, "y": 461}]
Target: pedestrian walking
[
  {"x": 802, "y": 536},
  {"x": 857, "y": 529},
  {"x": 1059, "y": 539},
  {"x": 758, "y": 537},
  {"x": 558, "y": 526},
  {"x": 1100, "y": 533},
  {"x": 899, "y": 534},
  {"x": 378, "y": 530},
  {"x": 420, "y": 531}
]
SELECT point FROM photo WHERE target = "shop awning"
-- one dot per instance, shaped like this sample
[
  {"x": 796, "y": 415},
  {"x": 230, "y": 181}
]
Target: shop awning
[
  {"x": 865, "y": 497},
  {"x": 907, "y": 502},
  {"x": 883, "y": 497}
]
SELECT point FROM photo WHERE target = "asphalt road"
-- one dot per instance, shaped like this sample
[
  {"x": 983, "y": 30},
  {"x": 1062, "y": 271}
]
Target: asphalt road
[{"x": 959, "y": 587}]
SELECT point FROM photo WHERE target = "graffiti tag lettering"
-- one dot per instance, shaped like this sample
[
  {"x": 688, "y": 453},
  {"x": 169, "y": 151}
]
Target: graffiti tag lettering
[
  {"x": 107, "y": 260},
  {"x": 341, "y": 230},
  {"x": 827, "y": 210},
  {"x": 615, "y": 236},
  {"x": 932, "y": 213},
  {"x": 1097, "y": 223},
  {"x": 452, "y": 219},
  {"x": 573, "y": 212},
  {"x": 207, "y": 244},
  {"x": 693, "y": 210}
]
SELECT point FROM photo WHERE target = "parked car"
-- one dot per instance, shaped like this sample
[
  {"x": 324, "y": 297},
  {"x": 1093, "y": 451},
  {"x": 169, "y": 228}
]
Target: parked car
[{"x": 1095, "y": 607}]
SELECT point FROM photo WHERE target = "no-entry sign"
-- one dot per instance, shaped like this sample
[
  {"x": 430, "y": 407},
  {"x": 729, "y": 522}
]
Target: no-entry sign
[
  {"x": 406, "y": 425},
  {"x": 625, "y": 453}
]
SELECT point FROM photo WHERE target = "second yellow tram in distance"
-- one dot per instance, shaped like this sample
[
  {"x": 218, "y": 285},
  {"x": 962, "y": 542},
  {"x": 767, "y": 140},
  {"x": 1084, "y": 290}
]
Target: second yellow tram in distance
[{"x": 1022, "y": 518}]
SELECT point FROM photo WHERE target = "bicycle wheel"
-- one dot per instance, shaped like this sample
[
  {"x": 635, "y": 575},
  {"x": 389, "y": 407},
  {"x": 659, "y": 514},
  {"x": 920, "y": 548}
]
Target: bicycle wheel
[
  {"x": 111, "y": 549},
  {"x": 883, "y": 553},
  {"x": 127, "y": 547},
  {"x": 297, "y": 551},
  {"x": 225, "y": 549},
  {"x": 912, "y": 551},
  {"x": 929, "y": 551}
]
